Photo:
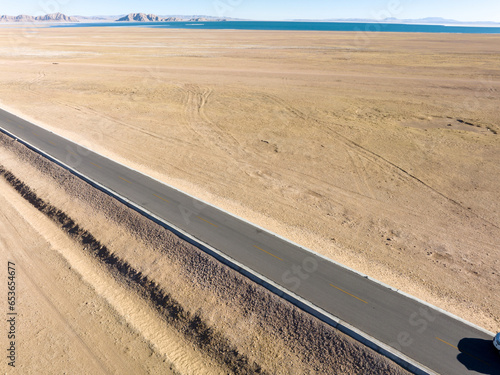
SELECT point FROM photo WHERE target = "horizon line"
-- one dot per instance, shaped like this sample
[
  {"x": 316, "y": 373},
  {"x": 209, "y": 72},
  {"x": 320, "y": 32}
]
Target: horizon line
[{"x": 350, "y": 19}]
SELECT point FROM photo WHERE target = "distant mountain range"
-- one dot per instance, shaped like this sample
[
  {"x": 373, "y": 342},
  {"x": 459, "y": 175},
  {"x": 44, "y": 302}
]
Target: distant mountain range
[
  {"x": 55, "y": 17},
  {"x": 426, "y": 21},
  {"x": 97, "y": 18},
  {"x": 132, "y": 17},
  {"x": 441, "y": 21},
  {"x": 142, "y": 17}
]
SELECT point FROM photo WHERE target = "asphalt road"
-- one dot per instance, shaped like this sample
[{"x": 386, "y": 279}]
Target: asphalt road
[{"x": 436, "y": 340}]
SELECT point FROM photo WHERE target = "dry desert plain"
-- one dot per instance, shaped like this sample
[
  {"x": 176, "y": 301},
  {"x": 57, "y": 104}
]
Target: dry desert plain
[{"x": 380, "y": 151}]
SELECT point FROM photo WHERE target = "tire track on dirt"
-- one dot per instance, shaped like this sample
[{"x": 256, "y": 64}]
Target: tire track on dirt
[
  {"x": 33, "y": 274},
  {"x": 195, "y": 101},
  {"x": 361, "y": 180},
  {"x": 28, "y": 87},
  {"x": 376, "y": 158},
  {"x": 111, "y": 119},
  {"x": 389, "y": 167},
  {"x": 38, "y": 79}
]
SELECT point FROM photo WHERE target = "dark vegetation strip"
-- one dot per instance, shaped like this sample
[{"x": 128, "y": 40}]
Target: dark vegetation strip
[{"x": 191, "y": 325}]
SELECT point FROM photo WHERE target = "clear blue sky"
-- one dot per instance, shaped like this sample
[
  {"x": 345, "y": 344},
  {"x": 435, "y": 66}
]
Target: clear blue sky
[{"x": 478, "y": 10}]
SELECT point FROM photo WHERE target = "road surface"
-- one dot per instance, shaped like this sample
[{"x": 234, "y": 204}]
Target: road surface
[{"x": 437, "y": 340}]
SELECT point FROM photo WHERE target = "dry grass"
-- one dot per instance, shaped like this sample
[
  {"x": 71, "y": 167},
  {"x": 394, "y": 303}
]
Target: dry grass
[{"x": 337, "y": 143}]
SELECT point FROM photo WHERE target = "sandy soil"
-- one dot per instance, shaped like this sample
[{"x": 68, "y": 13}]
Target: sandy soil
[
  {"x": 378, "y": 151},
  {"x": 64, "y": 326}
]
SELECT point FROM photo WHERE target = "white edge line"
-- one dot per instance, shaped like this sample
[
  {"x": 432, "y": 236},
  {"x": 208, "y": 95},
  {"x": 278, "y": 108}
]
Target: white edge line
[
  {"x": 365, "y": 339},
  {"x": 333, "y": 318},
  {"x": 268, "y": 232}
]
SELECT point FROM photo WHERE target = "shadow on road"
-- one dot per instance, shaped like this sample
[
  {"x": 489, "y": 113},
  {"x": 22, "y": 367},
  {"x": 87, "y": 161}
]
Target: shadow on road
[{"x": 479, "y": 355}]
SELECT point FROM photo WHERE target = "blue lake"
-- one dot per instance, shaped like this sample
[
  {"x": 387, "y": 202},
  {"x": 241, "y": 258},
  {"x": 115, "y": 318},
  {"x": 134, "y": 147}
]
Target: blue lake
[{"x": 299, "y": 26}]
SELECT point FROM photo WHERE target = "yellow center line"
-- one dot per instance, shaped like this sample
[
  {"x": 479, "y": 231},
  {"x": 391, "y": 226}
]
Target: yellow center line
[
  {"x": 52, "y": 143},
  {"x": 447, "y": 343},
  {"x": 163, "y": 199},
  {"x": 461, "y": 351},
  {"x": 206, "y": 221},
  {"x": 72, "y": 153},
  {"x": 36, "y": 134},
  {"x": 352, "y": 295},
  {"x": 22, "y": 127},
  {"x": 94, "y": 164},
  {"x": 125, "y": 180},
  {"x": 267, "y": 252}
]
